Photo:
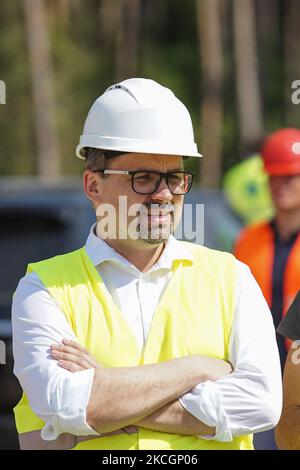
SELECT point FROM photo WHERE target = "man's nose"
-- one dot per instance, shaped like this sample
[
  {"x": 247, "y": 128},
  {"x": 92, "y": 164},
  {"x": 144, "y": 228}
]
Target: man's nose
[{"x": 163, "y": 192}]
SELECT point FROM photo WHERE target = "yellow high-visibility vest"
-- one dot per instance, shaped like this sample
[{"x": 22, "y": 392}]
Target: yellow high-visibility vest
[{"x": 194, "y": 316}]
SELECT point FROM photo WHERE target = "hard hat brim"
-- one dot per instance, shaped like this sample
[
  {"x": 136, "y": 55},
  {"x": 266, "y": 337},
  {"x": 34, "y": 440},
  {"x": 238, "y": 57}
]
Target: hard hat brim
[
  {"x": 284, "y": 169},
  {"x": 151, "y": 147}
]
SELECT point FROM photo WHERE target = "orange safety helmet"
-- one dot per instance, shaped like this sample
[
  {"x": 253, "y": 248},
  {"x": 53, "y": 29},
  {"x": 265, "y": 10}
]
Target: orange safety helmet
[{"x": 281, "y": 152}]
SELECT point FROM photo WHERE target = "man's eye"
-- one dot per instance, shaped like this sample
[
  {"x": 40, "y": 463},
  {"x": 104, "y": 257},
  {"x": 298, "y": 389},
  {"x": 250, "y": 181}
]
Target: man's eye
[
  {"x": 175, "y": 179},
  {"x": 143, "y": 177}
]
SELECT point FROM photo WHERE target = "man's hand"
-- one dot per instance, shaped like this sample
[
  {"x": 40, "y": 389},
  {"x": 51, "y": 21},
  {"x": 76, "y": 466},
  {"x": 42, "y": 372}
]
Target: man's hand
[
  {"x": 174, "y": 419},
  {"x": 73, "y": 357}
]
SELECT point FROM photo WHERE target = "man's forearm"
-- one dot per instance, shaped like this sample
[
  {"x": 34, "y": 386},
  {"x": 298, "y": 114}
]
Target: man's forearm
[
  {"x": 123, "y": 396},
  {"x": 174, "y": 419}
]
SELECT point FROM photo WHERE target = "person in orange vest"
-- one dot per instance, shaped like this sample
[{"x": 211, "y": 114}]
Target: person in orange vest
[{"x": 272, "y": 249}]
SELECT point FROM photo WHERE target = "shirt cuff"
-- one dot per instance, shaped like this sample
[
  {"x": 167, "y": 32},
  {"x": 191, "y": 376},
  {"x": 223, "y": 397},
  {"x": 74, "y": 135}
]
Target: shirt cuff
[
  {"x": 69, "y": 403},
  {"x": 204, "y": 402}
]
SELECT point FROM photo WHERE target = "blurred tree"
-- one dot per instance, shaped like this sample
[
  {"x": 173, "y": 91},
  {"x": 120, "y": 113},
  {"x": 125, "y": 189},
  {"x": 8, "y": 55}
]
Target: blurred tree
[
  {"x": 270, "y": 47},
  {"x": 292, "y": 59},
  {"x": 109, "y": 15},
  {"x": 247, "y": 83},
  {"x": 230, "y": 130},
  {"x": 211, "y": 58},
  {"x": 16, "y": 124},
  {"x": 155, "y": 19},
  {"x": 128, "y": 39},
  {"x": 83, "y": 67},
  {"x": 49, "y": 167},
  {"x": 93, "y": 44},
  {"x": 61, "y": 8}
]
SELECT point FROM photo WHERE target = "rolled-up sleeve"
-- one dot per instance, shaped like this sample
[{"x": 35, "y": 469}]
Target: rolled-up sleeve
[
  {"x": 57, "y": 396},
  {"x": 248, "y": 400}
]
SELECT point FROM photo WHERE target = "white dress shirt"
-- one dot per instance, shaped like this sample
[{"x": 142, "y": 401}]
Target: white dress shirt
[{"x": 246, "y": 401}]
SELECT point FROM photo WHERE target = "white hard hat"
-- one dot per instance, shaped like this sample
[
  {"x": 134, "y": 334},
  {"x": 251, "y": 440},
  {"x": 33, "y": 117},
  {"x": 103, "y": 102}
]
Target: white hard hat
[{"x": 139, "y": 115}]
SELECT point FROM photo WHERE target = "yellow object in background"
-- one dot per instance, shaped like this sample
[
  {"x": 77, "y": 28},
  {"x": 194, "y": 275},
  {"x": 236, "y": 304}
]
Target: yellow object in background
[{"x": 246, "y": 188}]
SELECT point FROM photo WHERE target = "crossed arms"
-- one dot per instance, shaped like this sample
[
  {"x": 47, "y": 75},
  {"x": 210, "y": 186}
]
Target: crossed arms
[
  {"x": 245, "y": 401},
  {"x": 151, "y": 394}
]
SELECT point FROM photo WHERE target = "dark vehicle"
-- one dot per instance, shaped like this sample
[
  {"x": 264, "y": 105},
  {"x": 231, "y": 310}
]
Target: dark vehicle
[{"x": 39, "y": 221}]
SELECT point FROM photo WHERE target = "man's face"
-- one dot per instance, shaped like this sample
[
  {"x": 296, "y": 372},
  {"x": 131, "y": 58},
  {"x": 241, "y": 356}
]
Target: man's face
[
  {"x": 285, "y": 190},
  {"x": 161, "y": 210}
]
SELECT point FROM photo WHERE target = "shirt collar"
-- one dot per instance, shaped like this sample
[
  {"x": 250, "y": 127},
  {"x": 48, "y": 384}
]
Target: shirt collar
[
  {"x": 289, "y": 241},
  {"x": 99, "y": 251}
]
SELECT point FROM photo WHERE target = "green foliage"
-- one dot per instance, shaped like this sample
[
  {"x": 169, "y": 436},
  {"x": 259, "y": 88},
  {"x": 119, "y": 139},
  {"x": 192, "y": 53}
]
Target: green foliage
[
  {"x": 84, "y": 65},
  {"x": 16, "y": 116}
]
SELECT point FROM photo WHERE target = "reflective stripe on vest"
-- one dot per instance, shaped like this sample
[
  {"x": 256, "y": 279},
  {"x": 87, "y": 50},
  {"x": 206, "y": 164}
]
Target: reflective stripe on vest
[{"x": 194, "y": 316}]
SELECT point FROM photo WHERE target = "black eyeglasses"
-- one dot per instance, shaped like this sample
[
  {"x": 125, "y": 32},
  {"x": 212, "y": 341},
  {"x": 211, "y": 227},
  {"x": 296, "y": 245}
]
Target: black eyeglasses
[{"x": 148, "y": 181}]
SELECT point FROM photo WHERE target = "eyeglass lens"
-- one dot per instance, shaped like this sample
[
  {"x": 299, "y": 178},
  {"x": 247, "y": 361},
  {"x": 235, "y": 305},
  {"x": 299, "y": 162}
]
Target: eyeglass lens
[{"x": 148, "y": 182}]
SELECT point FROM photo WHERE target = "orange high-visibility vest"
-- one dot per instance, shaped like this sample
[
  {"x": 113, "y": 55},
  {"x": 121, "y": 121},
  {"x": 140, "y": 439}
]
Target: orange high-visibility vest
[{"x": 255, "y": 247}]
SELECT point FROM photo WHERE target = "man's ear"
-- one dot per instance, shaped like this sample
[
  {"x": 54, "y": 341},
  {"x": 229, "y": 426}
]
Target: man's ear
[{"x": 92, "y": 186}]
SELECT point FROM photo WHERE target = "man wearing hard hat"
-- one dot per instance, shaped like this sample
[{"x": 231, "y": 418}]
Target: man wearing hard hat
[
  {"x": 138, "y": 340},
  {"x": 272, "y": 249}
]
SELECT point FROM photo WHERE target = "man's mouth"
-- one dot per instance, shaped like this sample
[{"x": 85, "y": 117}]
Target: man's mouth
[{"x": 159, "y": 216}]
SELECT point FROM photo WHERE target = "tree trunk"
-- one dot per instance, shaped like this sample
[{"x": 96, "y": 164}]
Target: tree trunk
[
  {"x": 109, "y": 13},
  {"x": 267, "y": 23},
  {"x": 247, "y": 83},
  {"x": 49, "y": 165},
  {"x": 60, "y": 8},
  {"x": 292, "y": 59},
  {"x": 128, "y": 39},
  {"x": 211, "y": 58},
  {"x": 269, "y": 37}
]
